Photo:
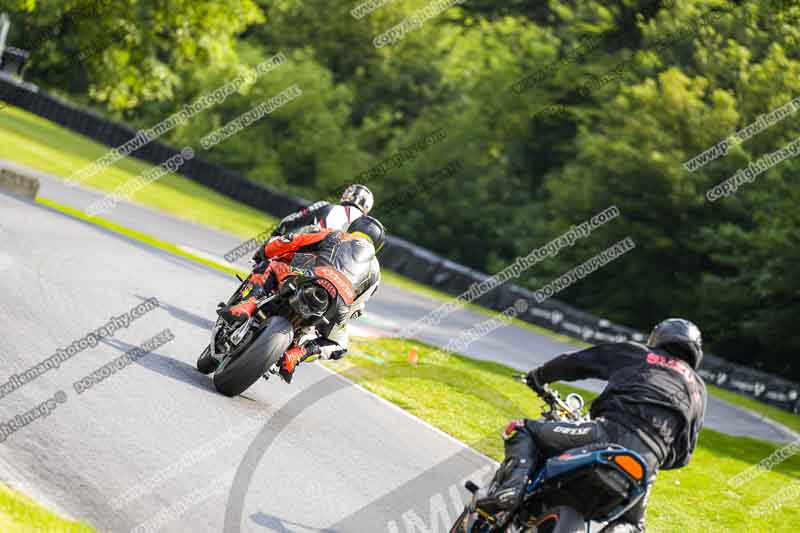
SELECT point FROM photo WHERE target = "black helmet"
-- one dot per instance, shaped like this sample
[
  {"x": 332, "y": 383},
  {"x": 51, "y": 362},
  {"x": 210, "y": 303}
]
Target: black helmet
[
  {"x": 370, "y": 228},
  {"x": 359, "y": 196},
  {"x": 679, "y": 337}
]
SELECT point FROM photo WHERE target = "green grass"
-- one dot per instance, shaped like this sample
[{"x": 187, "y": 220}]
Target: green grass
[
  {"x": 19, "y": 514},
  {"x": 139, "y": 236},
  {"x": 473, "y": 400},
  {"x": 38, "y": 143},
  {"x": 35, "y": 142},
  {"x": 790, "y": 420}
]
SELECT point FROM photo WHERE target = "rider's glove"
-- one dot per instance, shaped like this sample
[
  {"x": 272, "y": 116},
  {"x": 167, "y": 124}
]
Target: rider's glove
[
  {"x": 312, "y": 348},
  {"x": 535, "y": 382}
]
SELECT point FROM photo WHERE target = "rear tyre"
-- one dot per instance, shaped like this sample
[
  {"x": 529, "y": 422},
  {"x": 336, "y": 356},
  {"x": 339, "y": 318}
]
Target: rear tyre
[
  {"x": 235, "y": 376},
  {"x": 205, "y": 363}
]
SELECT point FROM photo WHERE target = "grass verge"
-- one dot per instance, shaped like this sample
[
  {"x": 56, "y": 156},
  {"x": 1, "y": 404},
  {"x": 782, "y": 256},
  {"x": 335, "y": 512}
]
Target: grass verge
[
  {"x": 20, "y": 514},
  {"x": 38, "y": 143},
  {"x": 473, "y": 400}
]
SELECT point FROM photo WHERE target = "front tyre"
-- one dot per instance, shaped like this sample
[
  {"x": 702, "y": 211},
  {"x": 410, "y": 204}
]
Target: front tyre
[
  {"x": 205, "y": 363},
  {"x": 233, "y": 377},
  {"x": 461, "y": 523}
]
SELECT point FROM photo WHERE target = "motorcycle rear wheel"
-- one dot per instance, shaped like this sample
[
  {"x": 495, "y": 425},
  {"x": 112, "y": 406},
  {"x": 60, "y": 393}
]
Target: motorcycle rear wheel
[{"x": 237, "y": 374}]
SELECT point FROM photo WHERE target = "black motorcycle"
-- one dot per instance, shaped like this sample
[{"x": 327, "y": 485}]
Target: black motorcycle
[
  {"x": 300, "y": 300},
  {"x": 596, "y": 483}
]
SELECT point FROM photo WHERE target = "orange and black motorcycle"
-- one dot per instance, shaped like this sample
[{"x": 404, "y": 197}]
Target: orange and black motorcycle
[{"x": 300, "y": 300}]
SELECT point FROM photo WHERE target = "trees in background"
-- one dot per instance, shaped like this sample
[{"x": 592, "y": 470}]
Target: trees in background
[{"x": 616, "y": 96}]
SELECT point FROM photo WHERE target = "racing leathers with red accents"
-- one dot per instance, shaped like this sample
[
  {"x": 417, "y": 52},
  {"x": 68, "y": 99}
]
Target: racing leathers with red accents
[
  {"x": 317, "y": 216},
  {"x": 341, "y": 252}
]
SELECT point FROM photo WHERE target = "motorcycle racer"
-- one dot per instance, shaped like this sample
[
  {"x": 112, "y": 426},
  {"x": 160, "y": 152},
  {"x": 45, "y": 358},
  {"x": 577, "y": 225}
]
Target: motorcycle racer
[
  {"x": 356, "y": 201},
  {"x": 351, "y": 254},
  {"x": 654, "y": 404}
]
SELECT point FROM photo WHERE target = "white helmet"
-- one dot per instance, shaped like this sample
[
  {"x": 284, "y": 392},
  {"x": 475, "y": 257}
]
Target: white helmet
[{"x": 359, "y": 196}]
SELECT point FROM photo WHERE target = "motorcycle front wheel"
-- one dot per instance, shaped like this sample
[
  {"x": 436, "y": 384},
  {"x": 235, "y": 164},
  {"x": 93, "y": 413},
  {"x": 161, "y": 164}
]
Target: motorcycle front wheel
[
  {"x": 205, "y": 363},
  {"x": 237, "y": 374}
]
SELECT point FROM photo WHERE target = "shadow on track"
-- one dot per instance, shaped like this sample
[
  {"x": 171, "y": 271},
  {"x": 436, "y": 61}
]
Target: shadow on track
[{"x": 167, "y": 366}]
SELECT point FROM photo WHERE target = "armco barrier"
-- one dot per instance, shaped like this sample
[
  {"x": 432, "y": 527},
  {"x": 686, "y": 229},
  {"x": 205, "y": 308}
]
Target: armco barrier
[{"x": 398, "y": 255}]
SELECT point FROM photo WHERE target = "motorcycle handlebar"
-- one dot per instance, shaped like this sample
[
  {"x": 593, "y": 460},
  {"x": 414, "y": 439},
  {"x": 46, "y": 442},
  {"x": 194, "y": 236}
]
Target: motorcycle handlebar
[{"x": 550, "y": 397}]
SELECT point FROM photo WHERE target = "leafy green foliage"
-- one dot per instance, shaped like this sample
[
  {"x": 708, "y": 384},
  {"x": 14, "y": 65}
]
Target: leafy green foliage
[{"x": 639, "y": 87}]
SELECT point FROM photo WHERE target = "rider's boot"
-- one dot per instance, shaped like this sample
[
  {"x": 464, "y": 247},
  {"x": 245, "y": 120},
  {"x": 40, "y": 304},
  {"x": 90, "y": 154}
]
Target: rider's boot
[
  {"x": 293, "y": 355},
  {"x": 239, "y": 313},
  {"x": 507, "y": 488},
  {"x": 509, "y": 481}
]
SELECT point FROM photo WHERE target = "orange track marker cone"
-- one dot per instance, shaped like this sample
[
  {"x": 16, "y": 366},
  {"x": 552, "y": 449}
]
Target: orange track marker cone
[{"x": 413, "y": 356}]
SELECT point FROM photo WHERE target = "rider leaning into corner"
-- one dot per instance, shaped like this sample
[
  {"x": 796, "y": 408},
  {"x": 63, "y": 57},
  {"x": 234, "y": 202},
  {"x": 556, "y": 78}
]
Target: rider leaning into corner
[
  {"x": 356, "y": 201},
  {"x": 349, "y": 253},
  {"x": 653, "y": 404}
]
